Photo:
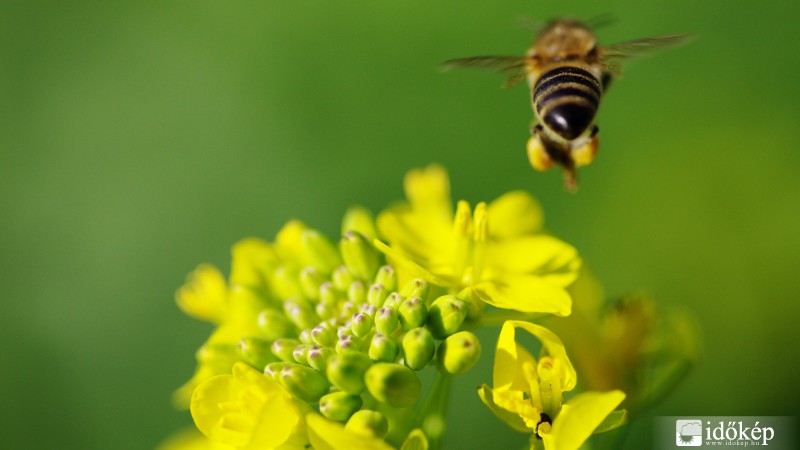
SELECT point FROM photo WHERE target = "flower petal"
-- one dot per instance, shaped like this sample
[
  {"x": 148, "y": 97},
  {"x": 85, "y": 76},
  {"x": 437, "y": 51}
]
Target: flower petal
[
  {"x": 513, "y": 214},
  {"x": 525, "y": 293},
  {"x": 428, "y": 190},
  {"x": 579, "y": 417},
  {"x": 552, "y": 346},
  {"x": 328, "y": 435},
  {"x": 538, "y": 255},
  {"x": 416, "y": 440},
  {"x": 204, "y": 295},
  {"x": 250, "y": 259},
  {"x": 405, "y": 263},
  {"x": 512, "y": 419},
  {"x": 190, "y": 439},
  {"x": 245, "y": 410}
]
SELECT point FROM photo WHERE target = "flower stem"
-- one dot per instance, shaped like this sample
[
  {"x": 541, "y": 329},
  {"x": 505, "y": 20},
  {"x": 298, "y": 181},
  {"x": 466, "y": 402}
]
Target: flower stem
[{"x": 432, "y": 416}]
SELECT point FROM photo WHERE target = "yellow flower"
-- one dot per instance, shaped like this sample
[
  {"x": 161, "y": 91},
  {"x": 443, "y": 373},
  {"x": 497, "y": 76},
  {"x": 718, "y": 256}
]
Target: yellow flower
[
  {"x": 248, "y": 410},
  {"x": 191, "y": 439},
  {"x": 499, "y": 250},
  {"x": 528, "y": 394},
  {"x": 325, "y": 434}
]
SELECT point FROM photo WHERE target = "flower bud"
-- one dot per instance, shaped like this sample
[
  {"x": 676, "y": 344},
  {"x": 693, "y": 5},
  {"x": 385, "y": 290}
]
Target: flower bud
[
  {"x": 418, "y": 348},
  {"x": 357, "y": 293},
  {"x": 359, "y": 255},
  {"x": 283, "y": 349},
  {"x": 300, "y": 354},
  {"x": 300, "y": 312},
  {"x": 361, "y": 324},
  {"x": 320, "y": 250},
  {"x": 475, "y": 306},
  {"x": 367, "y": 309},
  {"x": 256, "y": 352},
  {"x": 214, "y": 354},
  {"x": 342, "y": 278},
  {"x": 393, "y": 301},
  {"x": 318, "y": 358},
  {"x": 324, "y": 334},
  {"x": 329, "y": 294},
  {"x": 346, "y": 310},
  {"x": 415, "y": 288},
  {"x": 358, "y": 218},
  {"x": 273, "y": 370},
  {"x": 458, "y": 353},
  {"x": 387, "y": 277},
  {"x": 394, "y": 384},
  {"x": 368, "y": 423},
  {"x": 274, "y": 325},
  {"x": 446, "y": 316},
  {"x": 376, "y": 295},
  {"x": 304, "y": 382},
  {"x": 339, "y": 406},
  {"x": 310, "y": 281},
  {"x": 348, "y": 343},
  {"x": 386, "y": 320},
  {"x": 305, "y": 337},
  {"x": 346, "y": 371},
  {"x": 383, "y": 348},
  {"x": 412, "y": 313},
  {"x": 326, "y": 311}
]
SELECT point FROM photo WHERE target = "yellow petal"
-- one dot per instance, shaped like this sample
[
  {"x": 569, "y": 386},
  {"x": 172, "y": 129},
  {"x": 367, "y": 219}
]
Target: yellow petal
[
  {"x": 537, "y": 255},
  {"x": 250, "y": 259},
  {"x": 428, "y": 190},
  {"x": 579, "y": 417},
  {"x": 328, "y": 435},
  {"x": 406, "y": 263},
  {"x": 552, "y": 346},
  {"x": 190, "y": 439},
  {"x": 525, "y": 293},
  {"x": 514, "y": 214},
  {"x": 204, "y": 295},
  {"x": 245, "y": 410},
  {"x": 416, "y": 440},
  {"x": 512, "y": 419}
]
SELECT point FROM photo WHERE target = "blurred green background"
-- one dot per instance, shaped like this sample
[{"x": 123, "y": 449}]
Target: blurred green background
[{"x": 141, "y": 138}]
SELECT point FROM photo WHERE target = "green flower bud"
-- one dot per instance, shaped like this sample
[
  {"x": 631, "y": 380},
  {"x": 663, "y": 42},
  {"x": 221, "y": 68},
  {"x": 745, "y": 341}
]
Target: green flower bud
[
  {"x": 320, "y": 250},
  {"x": 358, "y": 218},
  {"x": 357, "y": 293},
  {"x": 446, "y": 316},
  {"x": 458, "y": 353},
  {"x": 304, "y": 382},
  {"x": 324, "y": 334},
  {"x": 368, "y": 423},
  {"x": 376, "y": 295},
  {"x": 394, "y": 384},
  {"x": 214, "y": 354},
  {"x": 418, "y": 348},
  {"x": 383, "y": 348},
  {"x": 342, "y": 278},
  {"x": 386, "y": 321},
  {"x": 387, "y": 277},
  {"x": 348, "y": 343},
  {"x": 305, "y": 337},
  {"x": 300, "y": 354},
  {"x": 346, "y": 311},
  {"x": 367, "y": 309},
  {"x": 361, "y": 324},
  {"x": 339, "y": 406},
  {"x": 283, "y": 349},
  {"x": 300, "y": 312},
  {"x": 274, "y": 325},
  {"x": 475, "y": 306},
  {"x": 273, "y": 370},
  {"x": 310, "y": 281},
  {"x": 346, "y": 371},
  {"x": 318, "y": 357},
  {"x": 393, "y": 301},
  {"x": 415, "y": 288},
  {"x": 359, "y": 255},
  {"x": 329, "y": 294},
  {"x": 326, "y": 311},
  {"x": 412, "y": 313},
  {"x": 256, "y": 352}
]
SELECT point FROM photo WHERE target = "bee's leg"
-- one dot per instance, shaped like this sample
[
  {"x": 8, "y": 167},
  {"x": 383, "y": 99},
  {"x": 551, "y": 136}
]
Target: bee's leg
[
  {"x": 535, "y": 128},
  {"x": 595, "y": 130},
  {"x": 570, "y": 179},
  {"x": 584, "y": 154},
  {"x": 538, "y": 154}
]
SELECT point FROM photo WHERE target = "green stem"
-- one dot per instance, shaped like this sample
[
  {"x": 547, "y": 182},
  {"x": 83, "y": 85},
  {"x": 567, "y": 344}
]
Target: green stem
[{"x": 432, "y": 416}]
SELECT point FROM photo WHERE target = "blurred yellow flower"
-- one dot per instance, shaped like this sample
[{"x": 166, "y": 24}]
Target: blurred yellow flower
[
  {"x": 499, "y": 250},
  {"x": 528, "y": 394},
  {"x": 247, "y": 410}
]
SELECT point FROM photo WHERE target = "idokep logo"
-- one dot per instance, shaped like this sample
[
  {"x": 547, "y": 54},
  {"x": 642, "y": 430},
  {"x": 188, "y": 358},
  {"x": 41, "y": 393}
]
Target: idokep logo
[{"x": 689, "y": 433}]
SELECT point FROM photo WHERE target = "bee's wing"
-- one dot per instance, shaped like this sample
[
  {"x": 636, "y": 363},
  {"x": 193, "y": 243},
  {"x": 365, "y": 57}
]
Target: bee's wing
[
  {"x": 612, "y": 56},
  {"x": 514, "y": 67}
]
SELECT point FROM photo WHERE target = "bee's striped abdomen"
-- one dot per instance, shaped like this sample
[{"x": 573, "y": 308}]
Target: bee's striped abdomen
[{"x": 566, "y": 100}]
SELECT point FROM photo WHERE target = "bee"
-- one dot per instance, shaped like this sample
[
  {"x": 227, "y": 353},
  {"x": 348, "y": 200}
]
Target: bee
[{"x": 568, "y": 72}]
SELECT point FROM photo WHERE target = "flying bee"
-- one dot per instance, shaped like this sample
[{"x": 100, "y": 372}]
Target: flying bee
[{"x": 567, "y": 72}]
